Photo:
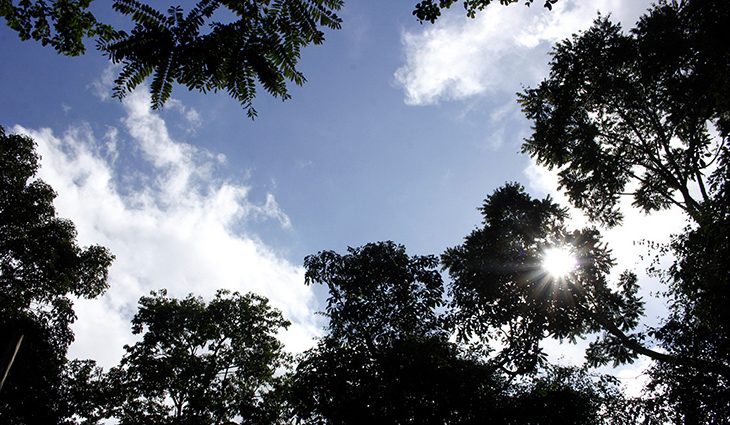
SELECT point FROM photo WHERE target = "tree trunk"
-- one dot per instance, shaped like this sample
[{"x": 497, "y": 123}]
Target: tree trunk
[{"x": 9, "y": 358}]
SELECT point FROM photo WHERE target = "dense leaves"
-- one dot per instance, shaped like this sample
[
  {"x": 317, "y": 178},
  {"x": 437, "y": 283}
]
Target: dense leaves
[
  {"x": 364, "y": 370},
  {"x": 41, "y": 269},
  {"x": 63, "y": 24},
  {"x": 386, "y": 358},
  {"x": 502, "y": 291},
  {"x": 257, "y": 44},
  {"x": 628, "y": 113},
  {"x": 646, "y": 114},
  {"x": 261, "y": 46},
  {"x": 201, "y": 362}
]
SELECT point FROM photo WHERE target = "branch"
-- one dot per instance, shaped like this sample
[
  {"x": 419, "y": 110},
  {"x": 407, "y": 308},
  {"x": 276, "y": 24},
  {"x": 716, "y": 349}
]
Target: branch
[{"x": 702, "y": 365}]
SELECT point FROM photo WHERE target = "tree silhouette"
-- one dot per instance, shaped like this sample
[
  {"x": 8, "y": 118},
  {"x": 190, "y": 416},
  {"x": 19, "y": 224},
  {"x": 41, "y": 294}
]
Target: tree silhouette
[
  {"x": 200, "y": 363},
  {"x": 628, "y": 114},
  {"x": 502, "y": 291},
  {"x": 430, "y": 10},
  {"x": 646, "y": 114},
  {"x": 386, "y": 358},
  {"x": 41, "y": 269}
]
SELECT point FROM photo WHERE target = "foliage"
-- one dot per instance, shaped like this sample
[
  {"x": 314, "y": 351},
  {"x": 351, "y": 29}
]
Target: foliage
[
  {"x": 259, "y": 46},
  {"x": 697, "y": 327},
  {"x": 378, "y": 292},
  {"x": 64, "y": 24},
  {"x": 628, "y": 113},
  {"x": 201, "y": 362},
  {"x": 568, "y": 395},
  {"x": 646, "y": 114},
  {"x": 430, "y": 10},
  {"x": 501, "y": 291},
  {"x": 386, "y": 358},
  {"x": 41, "y": 269}
]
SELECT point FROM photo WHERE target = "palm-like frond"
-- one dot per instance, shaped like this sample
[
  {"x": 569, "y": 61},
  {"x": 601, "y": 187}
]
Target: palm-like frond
[{"x": 261, "y": 48}]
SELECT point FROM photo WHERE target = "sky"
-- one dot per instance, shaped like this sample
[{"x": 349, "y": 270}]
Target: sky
[{"x": 400, "y": 132}]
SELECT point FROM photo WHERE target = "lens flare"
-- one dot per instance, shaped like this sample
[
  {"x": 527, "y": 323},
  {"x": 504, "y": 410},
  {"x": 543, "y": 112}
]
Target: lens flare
[{"x": 558, "y": 262}]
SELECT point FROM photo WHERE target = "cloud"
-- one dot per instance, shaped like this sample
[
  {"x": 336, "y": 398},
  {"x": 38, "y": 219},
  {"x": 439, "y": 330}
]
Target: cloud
[
  {"x": 102, "y": 86},
  {"x": 171, "y": 223},
  {"x": 503, "y": 47}
]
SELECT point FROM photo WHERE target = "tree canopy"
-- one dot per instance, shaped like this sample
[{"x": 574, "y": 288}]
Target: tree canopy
[
  {"x": 259, "y": 47},
  {"x": 502, "y": 291},
  {"x": 387, "y": 357},
  {"x": 200, "y": 362},
  {"x": 645, "y": 114},
  {"x": 629, "y": 113},
  {"x": 41, "y": 269}
]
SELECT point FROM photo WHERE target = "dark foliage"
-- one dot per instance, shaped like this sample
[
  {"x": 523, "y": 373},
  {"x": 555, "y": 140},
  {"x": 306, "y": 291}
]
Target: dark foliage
[
  {"x": 259, "y": 47},
  {"x": 200, "y": 363},
  {"x": 430, "y": 10},
  {"x": 622, "y": 110},
  {"x": 636, "y": 110},
  {"x": 501, "y": 291},
  {"x": 386, "y": 358},
  {"x": 62, "y": 24},
  {"x": 41, "y": 269}
]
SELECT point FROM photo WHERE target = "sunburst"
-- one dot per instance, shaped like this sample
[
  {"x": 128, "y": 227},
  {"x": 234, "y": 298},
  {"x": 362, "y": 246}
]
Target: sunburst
[{"x": 558, "y": 262}]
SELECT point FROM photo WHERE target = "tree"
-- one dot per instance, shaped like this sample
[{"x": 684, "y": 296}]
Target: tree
[
  {"x": 41, "y": 269},
  {"x": 260, "y": 46},
  {"x": 386, "y": 357},
  {"x": 570, "y": 395},
  {"x": 631, "y": 114},
  {"x": 628, "y": 114},
  {"x": 501, "y": 290},
  {"x": 201, "y": 363}
]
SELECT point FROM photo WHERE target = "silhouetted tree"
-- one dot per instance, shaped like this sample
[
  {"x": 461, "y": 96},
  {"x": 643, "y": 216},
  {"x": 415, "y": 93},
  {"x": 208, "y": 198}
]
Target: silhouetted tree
[
  {"x": 568, "y": 395},
  {"x": 386, "y": 358},
  {"x": 628, "y": 114},
  {"x": 41, "y": 269},
  {"x": 201, "y": 363},
  {"x": 634, "y": 114},
  {"x": 502, "y": 291}
]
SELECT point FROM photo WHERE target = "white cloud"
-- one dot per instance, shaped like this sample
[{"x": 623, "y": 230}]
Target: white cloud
[
  {"x": 502, "y": 48},
  {"x": 178, "y": 227},
  {"x": 189, "y": 114},
  {"x": 102, "y": 86}
]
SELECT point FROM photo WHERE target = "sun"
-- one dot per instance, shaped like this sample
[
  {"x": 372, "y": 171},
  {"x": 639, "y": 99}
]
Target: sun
[{"x": 558, "y": 262}]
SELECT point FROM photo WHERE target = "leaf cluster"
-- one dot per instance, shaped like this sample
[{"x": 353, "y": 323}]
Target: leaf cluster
[
  {"x": 500, "y": 290},
  {"x": 430, "y": 10},
  {"x": 200, "y": 362},
  {"x": 62, "y": 24},
  {"x": 261, "y": 45},
  {"x": 41, "y": 269},
  {"x": 627, "y": 114}
]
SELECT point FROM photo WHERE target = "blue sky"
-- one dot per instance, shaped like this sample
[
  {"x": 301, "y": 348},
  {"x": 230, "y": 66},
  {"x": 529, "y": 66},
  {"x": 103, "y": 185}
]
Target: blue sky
[{"x": 399, "y": 134}]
